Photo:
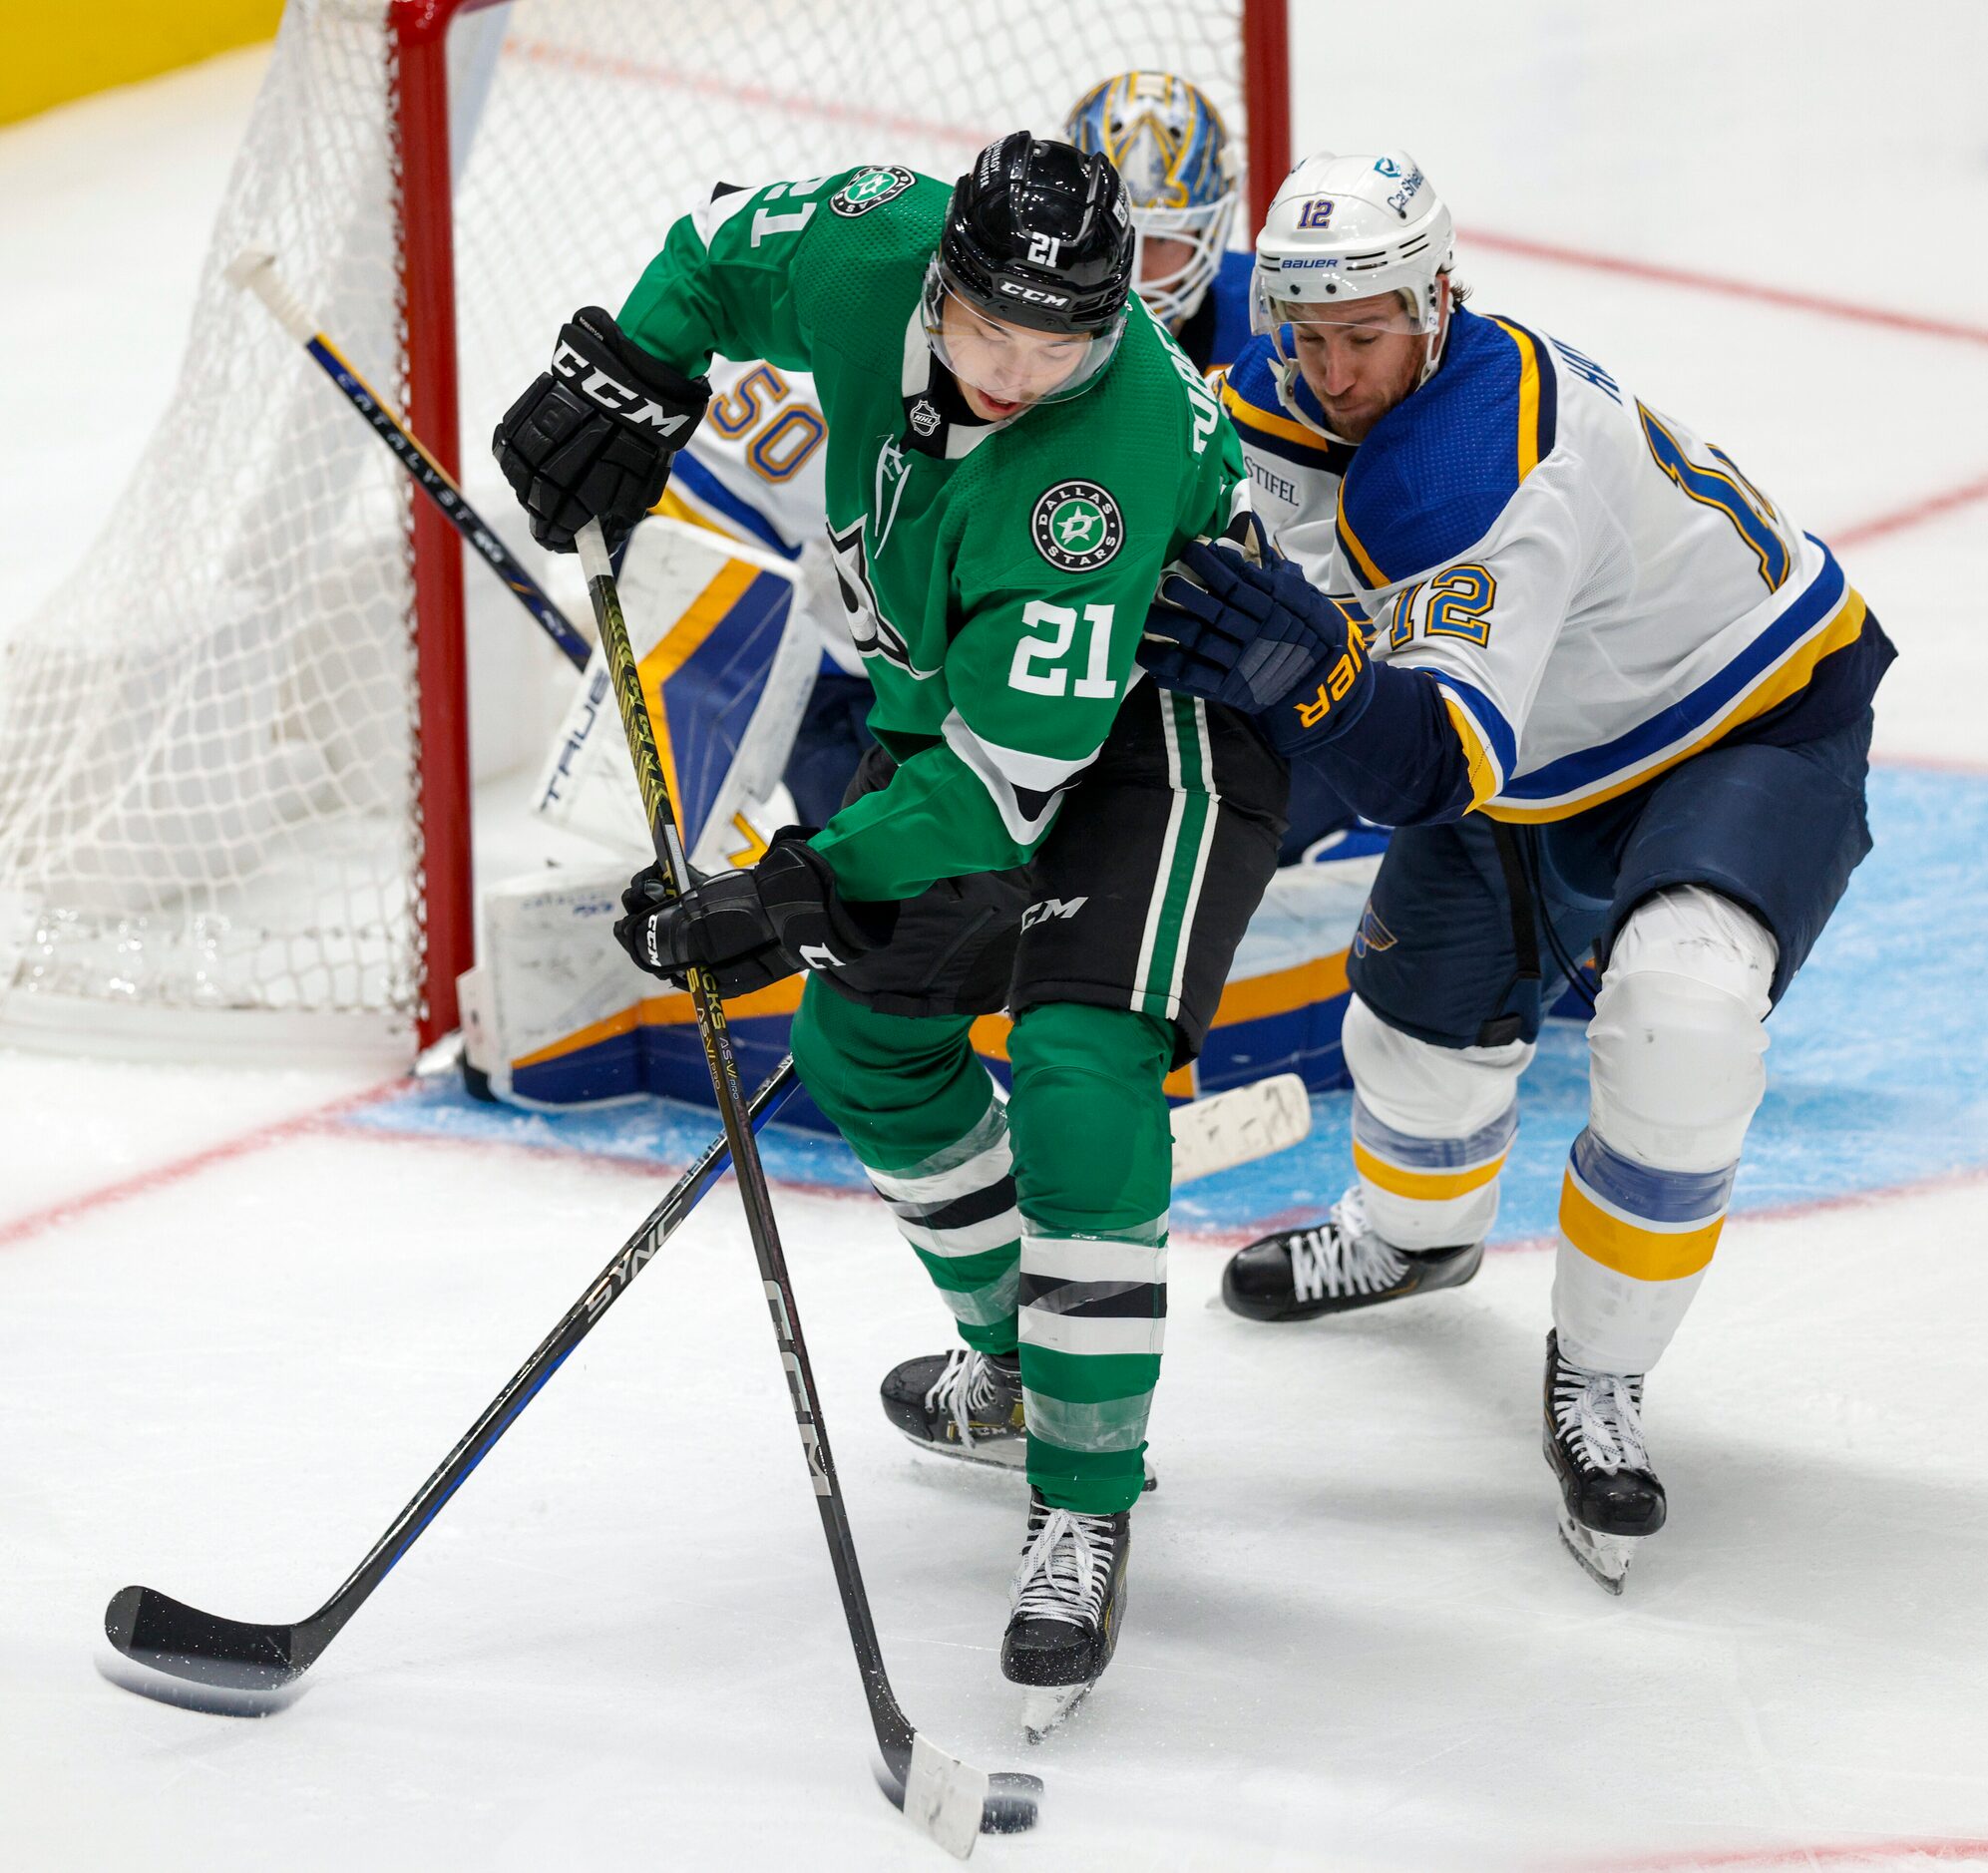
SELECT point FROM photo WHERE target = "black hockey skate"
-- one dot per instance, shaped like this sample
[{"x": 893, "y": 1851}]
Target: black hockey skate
[
  {"x": 961, "y": 1405},
  {"x": 1593, "y": 1439},
  {"x": 1335, "y": 1266},
  {"x": 965, "y": 1404},
  {"x": 1069, "y": 1599}
]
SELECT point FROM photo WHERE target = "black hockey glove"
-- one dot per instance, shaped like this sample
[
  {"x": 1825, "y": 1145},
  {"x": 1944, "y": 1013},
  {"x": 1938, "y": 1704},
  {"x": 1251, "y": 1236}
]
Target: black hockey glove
[
  {"x": 753, "y": 929},
  {"x": 592, "y": 437},
  {"x": 1260, "y": 639}
]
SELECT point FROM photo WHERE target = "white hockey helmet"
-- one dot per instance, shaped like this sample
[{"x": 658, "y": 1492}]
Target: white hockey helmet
[{"x": 1343, "y": 232}]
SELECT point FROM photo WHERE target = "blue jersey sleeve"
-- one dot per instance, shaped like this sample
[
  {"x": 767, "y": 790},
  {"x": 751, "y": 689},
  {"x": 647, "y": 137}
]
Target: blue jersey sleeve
[{"x": 1231, "y": 294}]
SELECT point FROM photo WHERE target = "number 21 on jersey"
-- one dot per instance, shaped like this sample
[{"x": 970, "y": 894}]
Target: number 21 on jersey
[{"x": 1053, "y": 679}]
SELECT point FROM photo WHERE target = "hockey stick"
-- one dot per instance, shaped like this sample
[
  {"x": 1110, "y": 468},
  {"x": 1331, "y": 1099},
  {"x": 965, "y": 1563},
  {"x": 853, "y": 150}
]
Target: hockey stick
[
  {"x": 946, "y": 1798},
  {"x": 242, "y": 1660},
  {"x": 255, "y": 270}
]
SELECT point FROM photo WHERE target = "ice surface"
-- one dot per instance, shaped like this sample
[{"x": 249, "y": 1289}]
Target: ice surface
[{"x": 1353, "y": 1640}]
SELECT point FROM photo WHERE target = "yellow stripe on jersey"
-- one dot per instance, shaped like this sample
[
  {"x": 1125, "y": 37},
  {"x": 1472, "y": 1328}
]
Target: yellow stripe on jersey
[
  {"x": 1483, "y": 775},
  {"x": 1639, "y": 1250},
  {"x": 1772, "y": 690},
  {"x": 1246, "y": 414},
  {"x": 1529, "y": 397},
  {"x": 1361, "y": 556},
  {"x": 1423, "y": 1186}
]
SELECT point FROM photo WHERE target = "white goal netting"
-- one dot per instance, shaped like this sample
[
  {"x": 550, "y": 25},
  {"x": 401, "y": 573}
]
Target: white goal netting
[{"x": 208, "y": 737}]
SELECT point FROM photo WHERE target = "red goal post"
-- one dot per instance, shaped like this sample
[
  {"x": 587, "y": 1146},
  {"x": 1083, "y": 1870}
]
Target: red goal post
[{"x": 235, "y": 750}]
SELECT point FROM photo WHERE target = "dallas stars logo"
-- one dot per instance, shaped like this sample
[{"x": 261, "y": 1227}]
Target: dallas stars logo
[
  {"x": 870, "y": 189},
  {"x": 1076, "y": 525}
]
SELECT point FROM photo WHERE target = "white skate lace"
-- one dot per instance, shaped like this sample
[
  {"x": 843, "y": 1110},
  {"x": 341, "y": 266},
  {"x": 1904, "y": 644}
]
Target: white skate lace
[
  {"x": 1601, "y": 1415},
  {"x": 966, "y": 1386},
  {"x": 1342, "y": 1256},
  {"x": 1065, "y": 1568}
]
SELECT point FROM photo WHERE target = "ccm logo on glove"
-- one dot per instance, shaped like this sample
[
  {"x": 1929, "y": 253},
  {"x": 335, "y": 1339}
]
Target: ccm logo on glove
[{"x": 623, "y": 399}]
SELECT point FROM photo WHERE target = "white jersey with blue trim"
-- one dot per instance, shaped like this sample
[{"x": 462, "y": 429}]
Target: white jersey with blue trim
[
  {"x": 1598, "y": 593},
  {"x": 755, "y": 470},
  {"x": 756, "y": 462}
]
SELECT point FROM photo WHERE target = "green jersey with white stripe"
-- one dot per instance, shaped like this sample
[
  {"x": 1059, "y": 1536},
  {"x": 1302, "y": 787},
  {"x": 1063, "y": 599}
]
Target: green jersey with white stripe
[{"x": 996, "y": 577}]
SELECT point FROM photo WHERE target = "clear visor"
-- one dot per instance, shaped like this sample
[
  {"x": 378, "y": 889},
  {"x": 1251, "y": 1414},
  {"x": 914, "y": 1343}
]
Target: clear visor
[
  {"x": 1296, "y": 300},
  {"x": 1007, "y": 363},
  {"x": 1179, "y": 251}
]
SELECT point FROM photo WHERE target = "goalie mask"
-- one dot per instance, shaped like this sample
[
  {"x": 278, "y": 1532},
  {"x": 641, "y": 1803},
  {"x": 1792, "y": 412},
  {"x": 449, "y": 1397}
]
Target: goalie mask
[
  {"x": 1173, "y": 153},
  {"x": 1036, "y": 262}
]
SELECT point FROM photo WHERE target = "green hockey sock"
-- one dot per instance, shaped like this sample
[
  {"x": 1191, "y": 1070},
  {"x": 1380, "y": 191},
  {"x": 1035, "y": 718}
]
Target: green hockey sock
[
  {"x": 1093, "y": 1157},
  {"x": 918, "y": 1110}
]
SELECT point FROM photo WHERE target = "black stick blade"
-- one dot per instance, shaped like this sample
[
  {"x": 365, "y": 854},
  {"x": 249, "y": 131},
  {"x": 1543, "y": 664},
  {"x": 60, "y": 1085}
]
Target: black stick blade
[
  {"x": 158, "y": 1630},
  {"x": 211, "y": 1699}
]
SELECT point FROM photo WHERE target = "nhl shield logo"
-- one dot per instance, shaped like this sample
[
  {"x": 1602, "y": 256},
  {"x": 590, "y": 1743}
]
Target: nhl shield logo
[
  {"x": 1077, "y": 527},
  {"x": 870, "y": 189},
  {"x": 924, "y": 417}
]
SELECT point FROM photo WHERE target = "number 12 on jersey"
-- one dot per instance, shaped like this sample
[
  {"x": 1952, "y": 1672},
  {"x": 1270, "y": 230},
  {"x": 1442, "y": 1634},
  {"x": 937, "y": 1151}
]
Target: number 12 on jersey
[{"x": 1095, "y": 683}]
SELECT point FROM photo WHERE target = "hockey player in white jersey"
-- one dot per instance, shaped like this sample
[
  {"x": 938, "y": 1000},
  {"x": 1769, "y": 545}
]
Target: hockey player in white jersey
[{"x": 1615, "y": 699}]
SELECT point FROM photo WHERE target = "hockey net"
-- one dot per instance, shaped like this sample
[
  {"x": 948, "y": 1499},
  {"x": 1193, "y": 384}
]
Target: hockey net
[{"x": 233, "y": 795}]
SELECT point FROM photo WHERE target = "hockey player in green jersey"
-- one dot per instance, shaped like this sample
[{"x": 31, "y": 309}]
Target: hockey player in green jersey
[{"x": 1015, "y": 450}]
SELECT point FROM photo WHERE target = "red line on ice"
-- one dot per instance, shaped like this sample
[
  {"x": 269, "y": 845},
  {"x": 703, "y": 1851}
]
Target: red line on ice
[
  {"x": 144, "y": 1183},
  {"x": 1692, "y": 279},
  {"x": 324, "y": 1119},
  {"x": 653, "y": 1169},
  {"x": 1935, "y": 763},
  {"x": 1869, "y": 1851},
  {"x": 1927, "y": 507}
]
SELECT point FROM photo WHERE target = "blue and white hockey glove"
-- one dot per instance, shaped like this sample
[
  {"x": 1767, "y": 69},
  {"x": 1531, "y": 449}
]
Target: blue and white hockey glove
[
  {"x": 1259, "y": 638},
  {"x": 751, "y": 929}
]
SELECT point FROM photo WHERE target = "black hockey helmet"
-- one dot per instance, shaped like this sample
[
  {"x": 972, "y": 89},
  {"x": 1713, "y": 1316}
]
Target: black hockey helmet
[{"x": 1039, "y": 234}]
